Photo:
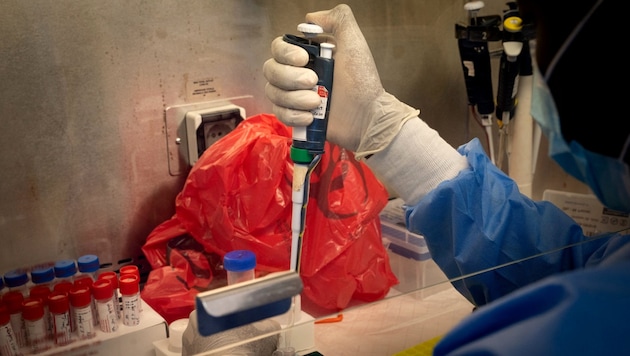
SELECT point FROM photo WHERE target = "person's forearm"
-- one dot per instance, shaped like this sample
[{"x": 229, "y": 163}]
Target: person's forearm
[{"x": 411, "y": 179}]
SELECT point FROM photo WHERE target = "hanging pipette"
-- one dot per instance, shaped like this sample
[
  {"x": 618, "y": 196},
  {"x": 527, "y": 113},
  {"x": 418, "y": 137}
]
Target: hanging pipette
[
  {"x": 472, "y": 40},
  {"x": 308, "y": 142},
  {"x": 509, "y": 68}
]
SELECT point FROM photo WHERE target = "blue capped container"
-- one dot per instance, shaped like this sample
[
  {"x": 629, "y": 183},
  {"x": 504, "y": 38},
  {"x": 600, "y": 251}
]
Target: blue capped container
[
  {"x": 43, "y": 275},
  {"x": 89, "y": 264},
  {"x": 240, "y": 266}
]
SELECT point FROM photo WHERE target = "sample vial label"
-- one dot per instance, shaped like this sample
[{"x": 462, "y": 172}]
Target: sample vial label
[
  {"x": 19, "y": 329},
  {"x": 84, "y": 322},
  {"x": 62, "y": 329},
  {"x": 131, "y": 309},
  {"x": 36, "y": 334},
  {"x": 8, "y": 341},
  {"x": 107, "y": 316}
]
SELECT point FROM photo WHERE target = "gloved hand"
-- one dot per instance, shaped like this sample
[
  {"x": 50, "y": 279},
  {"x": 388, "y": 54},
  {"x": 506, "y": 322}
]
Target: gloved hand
[{"x": 364, "y": 118}]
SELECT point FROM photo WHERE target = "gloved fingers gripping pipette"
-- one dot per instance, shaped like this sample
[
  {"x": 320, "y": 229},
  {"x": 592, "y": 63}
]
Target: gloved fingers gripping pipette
[
  {"x": 308, "y": 142},
  {"x": 274, "y": 294}
]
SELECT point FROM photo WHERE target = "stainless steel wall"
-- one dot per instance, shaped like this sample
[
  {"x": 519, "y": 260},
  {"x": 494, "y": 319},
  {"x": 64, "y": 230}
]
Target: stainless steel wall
[{"x": 84, "y": 86}]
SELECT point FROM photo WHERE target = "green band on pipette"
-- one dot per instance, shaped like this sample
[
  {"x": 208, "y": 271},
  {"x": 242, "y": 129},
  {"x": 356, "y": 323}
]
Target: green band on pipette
[{"x": 300, "y": 155}]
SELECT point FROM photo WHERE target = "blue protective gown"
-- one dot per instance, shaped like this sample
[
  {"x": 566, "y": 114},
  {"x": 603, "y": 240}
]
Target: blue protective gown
[{"x": 566, "y": 301}]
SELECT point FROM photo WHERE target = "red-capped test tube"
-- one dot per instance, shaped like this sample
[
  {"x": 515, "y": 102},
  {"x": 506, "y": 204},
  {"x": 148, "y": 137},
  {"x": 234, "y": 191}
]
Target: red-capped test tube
[
  {"x": 105, "y": 306},
  {"x": 42, "y": 292},
  {"x": 13, "y": 300},
  {"x": 112, "y": 277},
  {"x": 87, "y": 281},
  {"x": 129, "y": 286},
  {"x": 35, "y": 324},
  {"x": 8, "y": 340},
  {"x": 129, "y": 269},
  {"x": 59, "y": 306},
  {"x": 65, "y": 287},
  {"x": 81, "y": 302}
]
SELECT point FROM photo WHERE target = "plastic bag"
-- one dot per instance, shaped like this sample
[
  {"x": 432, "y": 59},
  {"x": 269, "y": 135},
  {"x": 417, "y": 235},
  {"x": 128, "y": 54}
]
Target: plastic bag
[
  {"x": 238, "y": 196},
  {"x": 178, "y": 275}
]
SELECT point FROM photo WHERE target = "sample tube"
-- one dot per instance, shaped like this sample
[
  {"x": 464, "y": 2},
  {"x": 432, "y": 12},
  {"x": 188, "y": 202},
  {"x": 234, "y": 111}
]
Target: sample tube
[
  {"x": 42, "y": 292},
  {"x": 35, "y": 324},
  {"x": 13, "y": 300},
  {"x": 87, "y": 281},
  {"x": 59, "y": 306},
  {"x": 65, "y": 270},
  {"x": 18, "y": 279},
  {"x": 131, "y": 269},
  {"x": 130, "y": 294},
  {"x": 112, "y": 277},
  {"x": 43, "y": 275},
  {"x": 81, "y": 302},
  {"x": 88, "y": 265},
  {"x": 8, "y": 340},
  {"x": 65, "y": 287},
  {"x": 240, "y": 266},
  {"x": 106, "y": 308}
]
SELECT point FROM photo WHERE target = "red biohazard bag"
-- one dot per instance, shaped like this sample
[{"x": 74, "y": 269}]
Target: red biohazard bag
[{"x": 238, "y": 196}]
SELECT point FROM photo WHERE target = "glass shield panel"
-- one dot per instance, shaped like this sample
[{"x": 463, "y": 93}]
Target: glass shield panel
[{"x": 414, "y": 315}]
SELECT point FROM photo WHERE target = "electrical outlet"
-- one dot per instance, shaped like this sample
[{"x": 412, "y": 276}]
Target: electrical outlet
[
  {"x": 193, "y": 127},
  {"x": 207, "y": 126}
]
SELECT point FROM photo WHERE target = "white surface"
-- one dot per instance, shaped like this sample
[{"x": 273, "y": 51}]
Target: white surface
[{"x": 392, "y": 325}]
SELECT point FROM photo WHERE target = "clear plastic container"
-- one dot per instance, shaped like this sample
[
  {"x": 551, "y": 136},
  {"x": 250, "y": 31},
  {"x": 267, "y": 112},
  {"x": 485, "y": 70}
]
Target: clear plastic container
[
  {"x": 89, "y": 265},
  {"x": 19, "y": 280},
  {"x": 65, "y": 270},
  {"x": 240, "y": 266},
  {"x": 43, "y": 275}
]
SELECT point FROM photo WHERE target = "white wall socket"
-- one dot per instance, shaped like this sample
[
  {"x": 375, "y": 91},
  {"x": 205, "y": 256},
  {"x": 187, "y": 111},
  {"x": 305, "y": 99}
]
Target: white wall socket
[
  {"x": 190, "y": 120},
  {"x": 206, "y": 126}
]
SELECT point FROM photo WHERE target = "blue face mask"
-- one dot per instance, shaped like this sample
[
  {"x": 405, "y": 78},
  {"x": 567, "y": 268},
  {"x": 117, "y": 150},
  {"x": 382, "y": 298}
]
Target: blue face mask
[{"x": 608, "y": 177}]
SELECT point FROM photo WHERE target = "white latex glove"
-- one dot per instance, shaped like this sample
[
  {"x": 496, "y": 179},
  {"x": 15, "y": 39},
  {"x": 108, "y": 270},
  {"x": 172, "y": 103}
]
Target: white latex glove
[{"x": 364, "y": 118}]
